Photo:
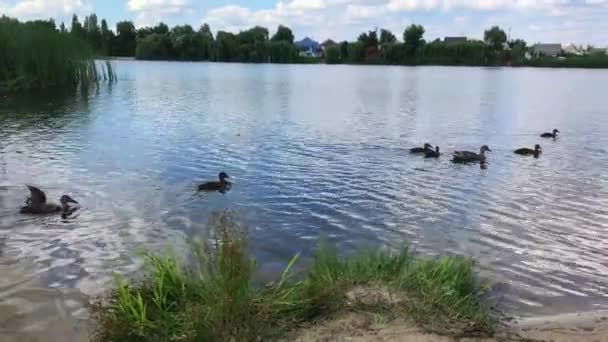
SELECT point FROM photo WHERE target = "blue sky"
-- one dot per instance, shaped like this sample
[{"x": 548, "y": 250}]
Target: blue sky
[{"x": 560, "y": 21}]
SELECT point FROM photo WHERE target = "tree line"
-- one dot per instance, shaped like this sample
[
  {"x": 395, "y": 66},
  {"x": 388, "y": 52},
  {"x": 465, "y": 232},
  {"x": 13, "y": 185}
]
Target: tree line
[{"x": 183, "y": 42}]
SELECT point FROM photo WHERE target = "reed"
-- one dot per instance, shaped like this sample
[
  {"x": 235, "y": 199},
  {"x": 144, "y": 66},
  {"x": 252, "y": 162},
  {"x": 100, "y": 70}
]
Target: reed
[{"x": 35, "y": 55}]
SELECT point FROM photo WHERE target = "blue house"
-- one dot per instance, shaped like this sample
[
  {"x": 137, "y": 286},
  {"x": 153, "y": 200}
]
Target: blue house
[{"x": 309, "y": 48}]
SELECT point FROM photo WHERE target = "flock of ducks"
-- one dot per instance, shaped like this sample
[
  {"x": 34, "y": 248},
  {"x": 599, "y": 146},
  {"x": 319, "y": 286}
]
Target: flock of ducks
[
  {"x": 472, "y": 157},
  {"x": 37, "y": 203}
]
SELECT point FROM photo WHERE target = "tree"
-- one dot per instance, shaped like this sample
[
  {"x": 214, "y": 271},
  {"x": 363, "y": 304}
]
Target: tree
[
  {"x": 206, "y": 31},
  {"x": 369, "y": 39},
  {"x": 91, "y": 32},
  {"x": 76, "y": 30},
  {"x": 387, "y": 37},
  {"x": 124, "y": 44},
  {"x": 495, "y": 37},
  {"x": 106, "y": 38},
  {"x": 227, "y": 47},
  {"x": 332, "y": 54},
  {"x": 344, "y": 51},
  {"x": 154, "y": 46},
  {"x": 62, "y": 28},
  {"x": 412, "y": 38},
  {"x": 161, "y": 28},
  {"x": 283, "y": 34}
]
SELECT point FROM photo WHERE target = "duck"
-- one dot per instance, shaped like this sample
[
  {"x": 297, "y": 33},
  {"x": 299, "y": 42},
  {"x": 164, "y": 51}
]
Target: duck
[
  {"x": 432, "y": 154},
  {"x": 550, "y": 135},
  {"x": 424, "y": 149},
  {"x": 37, "y": 204},
  {"x": 528, "y": 151},
  {"x": 471, "y": 157},
  {"x": 222, "y": 186}
]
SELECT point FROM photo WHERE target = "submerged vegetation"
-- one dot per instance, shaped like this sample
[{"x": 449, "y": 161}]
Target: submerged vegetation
[
  {"x": 36, "y": 55},
  {"x": 213, "y": 296}
]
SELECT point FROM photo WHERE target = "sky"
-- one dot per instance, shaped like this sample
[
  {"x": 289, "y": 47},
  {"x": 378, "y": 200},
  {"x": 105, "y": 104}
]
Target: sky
[{"x": 546, "y": 21}]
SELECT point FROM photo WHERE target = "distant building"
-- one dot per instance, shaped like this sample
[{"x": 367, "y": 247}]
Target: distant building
[
  {"x": 551, "y": 50},
  {"x": 454, "y": 40},
  {"x": 309, "y": 48}
]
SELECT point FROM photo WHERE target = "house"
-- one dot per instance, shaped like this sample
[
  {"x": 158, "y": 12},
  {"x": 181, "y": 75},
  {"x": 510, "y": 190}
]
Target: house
[
  {"x": 547, "y": 49},
  {"x": 454, "y": 40},
  {"x": 308, "y": 48}
]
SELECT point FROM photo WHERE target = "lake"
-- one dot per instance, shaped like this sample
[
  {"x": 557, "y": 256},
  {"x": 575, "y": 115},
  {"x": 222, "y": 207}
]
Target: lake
[{"x": 313, "y": 150}]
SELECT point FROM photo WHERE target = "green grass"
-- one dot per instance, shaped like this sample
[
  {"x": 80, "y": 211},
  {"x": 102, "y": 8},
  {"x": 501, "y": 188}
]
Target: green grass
[
  {"x": 213, "y": 298},
  {"x": 35, "y": 55}
]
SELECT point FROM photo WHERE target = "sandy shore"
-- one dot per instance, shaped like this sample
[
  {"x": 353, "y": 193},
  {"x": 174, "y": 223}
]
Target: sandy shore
[
  {"x": 365, "y": 327},
  {"x": 587, "y": 326}
]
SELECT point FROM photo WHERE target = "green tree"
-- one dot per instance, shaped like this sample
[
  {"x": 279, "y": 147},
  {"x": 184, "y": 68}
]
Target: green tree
[
  {"x": 412, "y": 38},
  {"x": 356, "y": 52},
  {"x": 154, "y": 46},
  {"x": 495, "y": 37},
  {"x": 344, "y": 51},
  {"x": 369, "y": 39},
  {"x": 387, "y": 37},
  {"x": 124, "y": 43},
  {"x": 62, "y": 28},
  {"x": 283, "y": 34},
  {"x": 332, "y": 54},
  {"x": 282, "y": 52},
  {"x": 253, "y": 45},
  {"x": 227, "y": 47},
  {"x": 106, "y": 38},
  {"x": 92, "y": 32},
  {"x": 76, "y": 30}
]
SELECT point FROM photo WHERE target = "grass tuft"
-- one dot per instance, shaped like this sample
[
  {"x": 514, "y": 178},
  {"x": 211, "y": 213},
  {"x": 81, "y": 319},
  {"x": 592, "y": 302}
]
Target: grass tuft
[{"x": 213, "y": 297}]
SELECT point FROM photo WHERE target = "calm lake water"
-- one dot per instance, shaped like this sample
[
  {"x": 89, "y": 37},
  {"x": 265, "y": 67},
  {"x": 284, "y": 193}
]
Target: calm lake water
[{"x": 313, "y": 150}]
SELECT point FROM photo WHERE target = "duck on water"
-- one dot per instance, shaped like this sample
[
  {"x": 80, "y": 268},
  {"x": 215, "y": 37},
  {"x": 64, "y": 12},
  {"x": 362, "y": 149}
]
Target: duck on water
[
  {"x": 419, "y": 150},
  {"x": 37, "y": 204},
  {"x": 432, "y": 154},
  {"x": 222, "y": 185},
  {"x": 471, "y": 157},
  {"x": 550, "y": 135},
  {"x": 530, "y": 152}
]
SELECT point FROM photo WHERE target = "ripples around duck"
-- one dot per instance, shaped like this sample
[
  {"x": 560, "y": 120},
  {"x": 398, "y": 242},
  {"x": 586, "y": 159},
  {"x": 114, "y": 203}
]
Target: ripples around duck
[{"x": 313, "y": 150}]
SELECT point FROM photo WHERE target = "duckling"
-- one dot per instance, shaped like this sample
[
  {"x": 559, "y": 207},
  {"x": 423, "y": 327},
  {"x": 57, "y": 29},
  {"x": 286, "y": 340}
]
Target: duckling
[
  {"x": 432, "y": 154},
  {"x": 471, "y": 157},
  {"x": 418, "y": 150},
  {"x": 550, "y": 135},
  {"x": 36, "y": 204},
  {"x": 528, "y": 151},
  {"x": 222, "y": 186}
]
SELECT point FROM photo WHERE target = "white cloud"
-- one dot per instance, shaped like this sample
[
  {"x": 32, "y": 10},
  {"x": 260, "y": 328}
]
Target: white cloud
[
  {"x": 37, "y": 9},
  {"x": 151, "y": 12}
]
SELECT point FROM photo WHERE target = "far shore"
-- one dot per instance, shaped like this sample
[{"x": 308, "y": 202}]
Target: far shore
[{"x": 321, "y": 62}]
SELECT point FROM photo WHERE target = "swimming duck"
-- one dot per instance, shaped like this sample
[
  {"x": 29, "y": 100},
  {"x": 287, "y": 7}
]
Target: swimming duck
[
  {"x": 222, "y": 186},
  {"x": 432, "y": 154},
  {"x": 528, "y": 151},
  {"x": 36, "y": 204},
  {"x": 427, "y": 147},
  {"x": 550, "y": 135},
  {"x": 471, "y": 157}
]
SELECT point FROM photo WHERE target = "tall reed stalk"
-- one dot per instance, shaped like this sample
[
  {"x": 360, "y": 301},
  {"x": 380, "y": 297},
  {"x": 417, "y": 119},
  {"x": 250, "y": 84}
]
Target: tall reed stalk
[{"x": 35, "y": 55}]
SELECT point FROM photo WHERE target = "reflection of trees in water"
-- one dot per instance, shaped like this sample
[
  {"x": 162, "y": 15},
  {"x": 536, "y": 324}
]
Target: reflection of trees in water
[{"x": 51, "y": 108}]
